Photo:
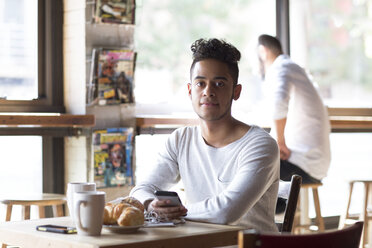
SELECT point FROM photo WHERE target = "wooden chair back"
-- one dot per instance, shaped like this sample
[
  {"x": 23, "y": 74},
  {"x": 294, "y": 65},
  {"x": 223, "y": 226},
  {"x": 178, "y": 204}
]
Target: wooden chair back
[
  {"x": 290, "y": 191},
  {"x": 345, "y": 238}
]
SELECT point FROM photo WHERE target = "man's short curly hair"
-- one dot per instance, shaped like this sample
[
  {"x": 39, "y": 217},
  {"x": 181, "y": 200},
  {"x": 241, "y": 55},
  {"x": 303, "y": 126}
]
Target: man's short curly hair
[{"x": 216, "y": 49}]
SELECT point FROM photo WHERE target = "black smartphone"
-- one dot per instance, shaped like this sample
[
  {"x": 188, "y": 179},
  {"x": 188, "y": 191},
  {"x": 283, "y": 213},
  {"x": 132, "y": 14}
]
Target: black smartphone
[
  {"x": 168, "y": 195},
  {"x": 56, "y": 229}
]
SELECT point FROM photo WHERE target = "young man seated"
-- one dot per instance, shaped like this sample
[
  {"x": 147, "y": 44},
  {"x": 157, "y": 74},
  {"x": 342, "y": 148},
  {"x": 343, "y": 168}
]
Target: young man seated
[{"x": 230, "y": 170}]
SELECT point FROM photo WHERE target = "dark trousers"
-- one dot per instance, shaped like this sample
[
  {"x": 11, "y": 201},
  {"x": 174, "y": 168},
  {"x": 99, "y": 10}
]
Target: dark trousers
[{"x": 287, "y": 170}]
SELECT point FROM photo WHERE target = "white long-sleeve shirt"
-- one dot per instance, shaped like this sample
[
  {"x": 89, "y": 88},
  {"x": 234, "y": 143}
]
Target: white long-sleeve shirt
[
  {"x": 293, "y": 96},
  {"x": 235, "y": 184}
]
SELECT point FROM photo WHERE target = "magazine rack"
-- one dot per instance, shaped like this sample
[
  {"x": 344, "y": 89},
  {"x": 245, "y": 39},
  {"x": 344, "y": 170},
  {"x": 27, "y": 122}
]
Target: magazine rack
[
  {"x": 105, "y": 32},
  {"x": 110, "y": 94}
]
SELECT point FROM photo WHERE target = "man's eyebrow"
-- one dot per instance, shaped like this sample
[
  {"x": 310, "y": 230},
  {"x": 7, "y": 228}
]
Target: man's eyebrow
[
  {"x": 199, "y": 77},
  {"x": 221, "y": 77},
  {"x": 215, "y": 78}
]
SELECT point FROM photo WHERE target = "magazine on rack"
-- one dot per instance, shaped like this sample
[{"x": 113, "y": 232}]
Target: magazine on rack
[
  {"x": 91, "y": 93},
  {"x": 113, "y": 73},
  {"x": 115, "y": 11},
  {"x": 113, "y": 148}
]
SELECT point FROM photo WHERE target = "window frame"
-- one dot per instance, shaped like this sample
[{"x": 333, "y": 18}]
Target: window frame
[{"x": 50, "y": 63}]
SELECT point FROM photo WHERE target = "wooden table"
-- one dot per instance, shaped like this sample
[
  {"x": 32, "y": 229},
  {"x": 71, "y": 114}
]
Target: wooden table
[{"x": 190, "y": 234}]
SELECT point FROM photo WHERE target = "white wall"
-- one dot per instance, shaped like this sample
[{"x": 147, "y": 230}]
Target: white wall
[{"x": 74, "y": 86}]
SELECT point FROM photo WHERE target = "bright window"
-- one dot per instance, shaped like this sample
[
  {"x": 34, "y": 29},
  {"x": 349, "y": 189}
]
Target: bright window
[
  {"x": 21, "y": 168},
  {"x": 333, "y": 40},
  {"x": 18, "y": 49}
]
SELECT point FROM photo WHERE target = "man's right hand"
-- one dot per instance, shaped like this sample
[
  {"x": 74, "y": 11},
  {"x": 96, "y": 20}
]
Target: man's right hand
[
  {"x": 164, "y": 211},
  {"x": 285, "y": 153}
]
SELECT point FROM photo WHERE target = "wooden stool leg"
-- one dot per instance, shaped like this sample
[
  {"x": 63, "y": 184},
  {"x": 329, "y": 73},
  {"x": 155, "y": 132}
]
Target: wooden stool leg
[
  {"x": 365, "y": 215},
  {"x": 8, "y": 212},
  {"x": 296, "y": 220},
  {"x": 8, "y": 215},
  {"x": 41, "y": 212},
  {"x": 25, "y": 212},
  {"x": 304, "y": 208},
  {"x": 318, "y": 217},
  {"x": 58, "y": 210},
  {"x": 346, "y": 214}
]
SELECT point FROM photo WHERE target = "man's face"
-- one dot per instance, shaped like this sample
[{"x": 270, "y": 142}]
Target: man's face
[
  {"x": 211, "y": 90},
  {"x": 261, "y": 68},
  {"x": 261, "y": 55}
]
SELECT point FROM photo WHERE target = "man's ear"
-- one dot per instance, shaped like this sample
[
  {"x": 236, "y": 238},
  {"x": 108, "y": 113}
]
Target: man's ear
[
  {"x": 189, "y": 89},
  {"x": 237, "y": 91}
]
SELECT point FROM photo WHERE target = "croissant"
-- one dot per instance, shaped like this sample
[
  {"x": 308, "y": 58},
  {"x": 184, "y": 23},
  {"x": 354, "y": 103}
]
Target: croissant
[
  {"x": 118, "y": 209},
  {"x": 124, "y": 214},
  {"x": 131, "y": 216},
  {"x": 108, "y": 218},
  {"x": 134, "y": 202}
]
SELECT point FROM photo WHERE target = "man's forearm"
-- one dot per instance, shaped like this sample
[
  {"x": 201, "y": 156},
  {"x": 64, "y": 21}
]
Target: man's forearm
[{"x": 279, "y": 128}]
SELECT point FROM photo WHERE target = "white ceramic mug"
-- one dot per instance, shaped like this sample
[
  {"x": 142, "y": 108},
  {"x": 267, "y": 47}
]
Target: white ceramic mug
[
  {"x": 77, "y": 187},
  {"x": 88, "y": 212}
]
